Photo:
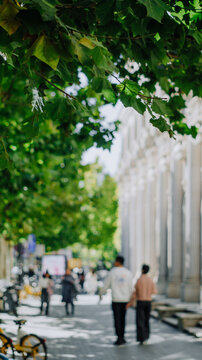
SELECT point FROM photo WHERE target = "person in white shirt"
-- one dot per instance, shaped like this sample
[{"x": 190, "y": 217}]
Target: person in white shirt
[
  {"x": 90, "y": 284},
  {"x": 119, "y": 281},
  {"x": 46, "y": 285}
]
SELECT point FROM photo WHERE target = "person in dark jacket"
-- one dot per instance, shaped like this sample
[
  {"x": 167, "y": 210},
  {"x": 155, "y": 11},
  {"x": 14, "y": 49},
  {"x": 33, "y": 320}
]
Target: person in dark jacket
[{"x": 68, "y": 286}]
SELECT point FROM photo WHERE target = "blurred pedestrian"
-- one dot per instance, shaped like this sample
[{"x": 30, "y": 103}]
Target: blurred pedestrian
[
  {"x": 31, "y": 272},
  {"x": 68, "y": 291},
  {"x": 81, "y": 279},
  {"x": 46, "y": 285},
  {"x": 90, "y": 284},
  {"x": 119, "y": 280},
  {"x": 142, "y": 293}
]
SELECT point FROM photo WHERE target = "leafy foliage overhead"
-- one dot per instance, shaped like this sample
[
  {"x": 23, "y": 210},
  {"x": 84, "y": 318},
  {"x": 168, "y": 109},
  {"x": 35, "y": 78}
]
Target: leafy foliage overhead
[
  {"x": 48, "y": 46},
  {"x": 49, "y": 193}
]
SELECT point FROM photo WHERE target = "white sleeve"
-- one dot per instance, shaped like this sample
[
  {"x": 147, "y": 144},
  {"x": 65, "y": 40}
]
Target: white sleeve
[{"x": 107, "y": 284}]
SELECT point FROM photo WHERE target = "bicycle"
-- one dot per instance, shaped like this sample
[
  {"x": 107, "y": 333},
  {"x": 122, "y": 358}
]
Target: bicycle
[
  {"x": 9, "y": 297},
  {"x": 29, "y": 345}
]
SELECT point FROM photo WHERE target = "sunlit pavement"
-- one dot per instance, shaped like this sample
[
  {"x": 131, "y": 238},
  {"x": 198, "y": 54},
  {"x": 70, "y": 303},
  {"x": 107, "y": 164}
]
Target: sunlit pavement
[{"x": 89, "y": 334}]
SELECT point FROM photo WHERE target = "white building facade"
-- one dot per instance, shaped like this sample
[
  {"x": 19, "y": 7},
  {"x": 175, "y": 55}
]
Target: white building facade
[{"x": 160, "y": 181}]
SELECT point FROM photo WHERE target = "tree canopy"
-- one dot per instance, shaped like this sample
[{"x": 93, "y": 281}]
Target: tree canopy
[
  {"x": 59, "y": 200},
  {"x": 62, "y": 60}
]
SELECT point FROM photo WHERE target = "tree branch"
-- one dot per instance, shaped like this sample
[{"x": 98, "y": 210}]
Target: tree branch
[
  {"x": 139, "y": 94},
  {"x": 56, "y": 87}
]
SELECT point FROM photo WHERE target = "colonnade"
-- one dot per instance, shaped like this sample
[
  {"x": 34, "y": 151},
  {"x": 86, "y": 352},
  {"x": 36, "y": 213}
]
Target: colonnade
[{"x": 160, "y": 185}]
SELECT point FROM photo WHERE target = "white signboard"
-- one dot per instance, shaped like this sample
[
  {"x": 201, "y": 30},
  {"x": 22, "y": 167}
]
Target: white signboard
[{"x": 55, "y": 264}]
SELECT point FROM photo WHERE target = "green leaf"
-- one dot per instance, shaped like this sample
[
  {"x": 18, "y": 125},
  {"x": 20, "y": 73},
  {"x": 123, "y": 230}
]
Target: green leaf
[
  {"x": 197, "y": 35},
  {"x": 8, "y": 12},
  {"x": 126, "y": 100},
  {"x": 103, "y": 86},
  {"x": 46, "y": 8},
  {"x": 102, "y": 60},
  {"x": 132, "y": 86},
  {"x": 183, "y": 128},
  {"x": 4, "y": 163},
  {"x": 131, "y": 101},
  {"x": 120, "y": 87},
  {"x": 138, "y": 105},
  {"x": 160, "y": 124},
  {"x": 82, "y": 52},
  {"x": 177, "y": 102},
  {"x": 161, "y": 107},
  {"x": 65, "y": 74},
  {"x": 45, "y": 51},
  {"x": 85, "y": 41},
  {"x": 165, "y": 84},
  {"x": 155, "y": 8},
  {"x": 97, "y": 84},
  {"x": 109, "y": 95}
]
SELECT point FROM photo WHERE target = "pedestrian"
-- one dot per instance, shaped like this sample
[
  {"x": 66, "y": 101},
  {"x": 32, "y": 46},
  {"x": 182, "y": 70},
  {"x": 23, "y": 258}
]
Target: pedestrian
[
  {"x": 68, "y": 291},
  {"x": 81, "y": 279},
  {"x": 90, "y": 284},
  {"x": 46, "y": 285},
  {"x": 119, "y": 280},
  {"x": 31, "y": 272},
  {"x": 142, "y": 293}
]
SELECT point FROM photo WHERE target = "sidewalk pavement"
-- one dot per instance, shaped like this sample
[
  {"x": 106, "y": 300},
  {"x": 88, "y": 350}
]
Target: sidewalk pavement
[{"x": 89, "y": 334}]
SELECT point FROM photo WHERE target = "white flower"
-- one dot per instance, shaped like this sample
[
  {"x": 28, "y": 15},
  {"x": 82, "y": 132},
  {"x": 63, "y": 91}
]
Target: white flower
[
  {"x": 37, "y": 101},
  {"x": 3, "y": 55}
]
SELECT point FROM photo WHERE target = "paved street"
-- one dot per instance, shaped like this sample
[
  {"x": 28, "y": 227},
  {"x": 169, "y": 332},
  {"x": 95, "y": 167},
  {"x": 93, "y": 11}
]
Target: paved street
[{"x": 90, "y": 335}]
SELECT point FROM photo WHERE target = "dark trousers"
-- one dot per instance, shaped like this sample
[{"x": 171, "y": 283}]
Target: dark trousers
[
  {"x": 119, "y": 312},
  {"x": 142, "y": 320},
  {"x": 67, "y": 307},
  {"x": 45, "y": 299}
]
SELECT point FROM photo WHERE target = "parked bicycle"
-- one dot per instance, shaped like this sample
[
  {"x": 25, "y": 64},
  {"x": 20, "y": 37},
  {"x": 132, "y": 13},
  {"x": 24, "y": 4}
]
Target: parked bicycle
[
  {"x": 29, "y": 345},
  {"x": 9, "y": 297}
]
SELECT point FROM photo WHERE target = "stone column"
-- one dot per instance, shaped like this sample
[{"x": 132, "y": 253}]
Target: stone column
[
  {"x": 150, "y": 216},
  {"x": 191, "y": 243},
  {"x": 125, "y": 221},
  {"x": 175, "y": 234},
  {"x": 132, "y": 221},
  {"x": 140, "y": 218},
  {"x": 161, "y": 225}
]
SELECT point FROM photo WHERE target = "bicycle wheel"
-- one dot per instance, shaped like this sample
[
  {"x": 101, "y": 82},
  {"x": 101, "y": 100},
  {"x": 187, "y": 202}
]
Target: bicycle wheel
[
  {"x": 34, "y": 347},
  {"x": 6, "y": 346}
]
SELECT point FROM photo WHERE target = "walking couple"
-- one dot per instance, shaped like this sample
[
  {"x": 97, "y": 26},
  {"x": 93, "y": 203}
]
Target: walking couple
[{"x": 120, "y": 282}]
